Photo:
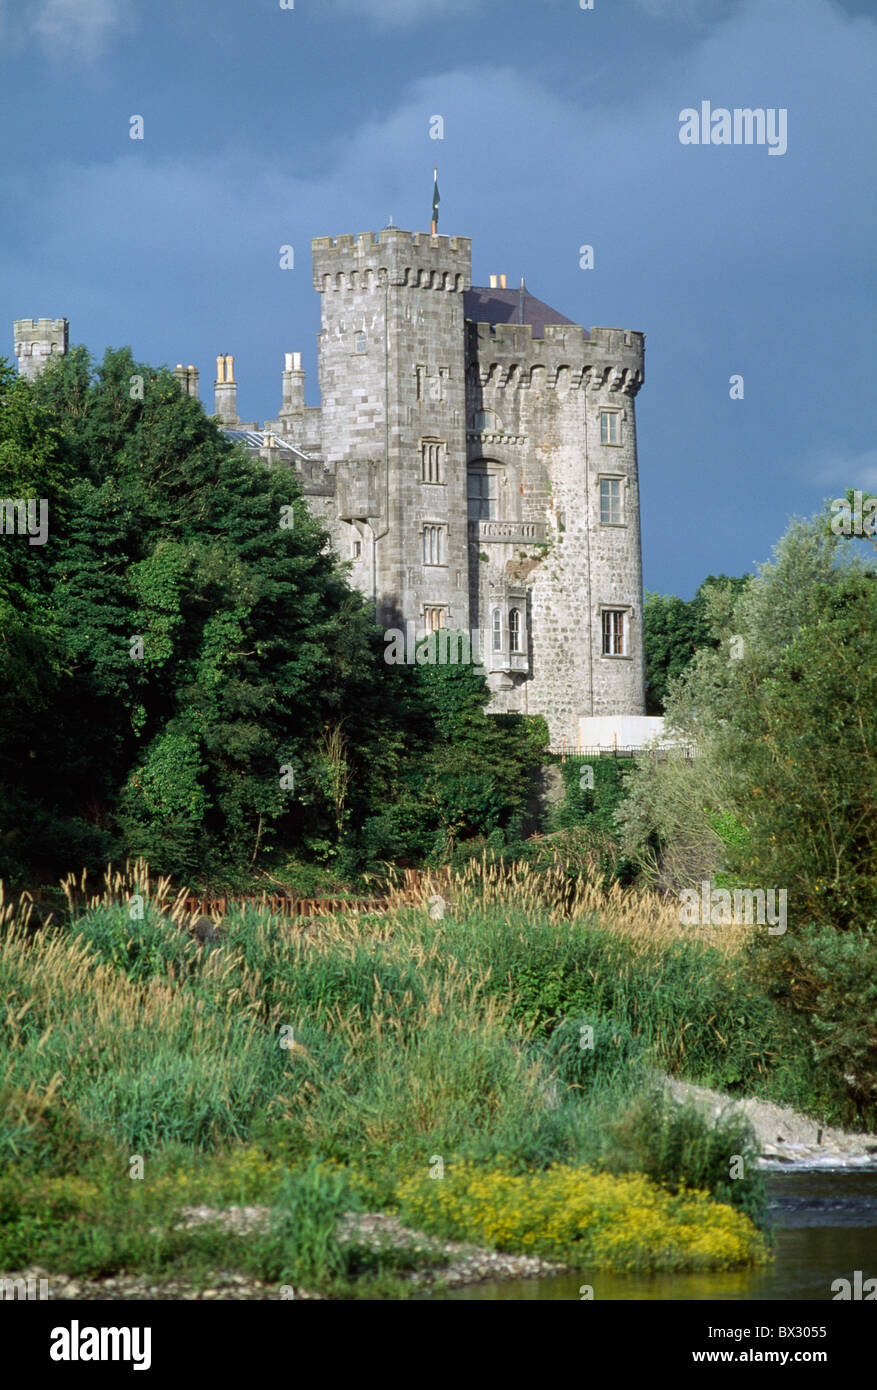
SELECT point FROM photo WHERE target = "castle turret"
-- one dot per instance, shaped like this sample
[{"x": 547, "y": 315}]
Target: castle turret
[
  {"x": 36, "y": 341},
  {"x": 554, "y": 507},
  {"x": 392, "y": 379}
]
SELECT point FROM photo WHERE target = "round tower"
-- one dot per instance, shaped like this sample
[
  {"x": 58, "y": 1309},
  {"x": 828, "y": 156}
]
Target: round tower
[
  {"x": 36, "y": 341},
  {"x": 392, "y": 383}
]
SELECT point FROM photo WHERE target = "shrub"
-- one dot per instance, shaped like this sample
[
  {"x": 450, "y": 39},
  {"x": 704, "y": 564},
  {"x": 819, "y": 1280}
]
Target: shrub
[
  {"x": 593, "y": 1052},
  {"x": 302, "y": 1245},
  {"x": 678, "y": 1146},
  {"x": 584, "y": 1218}
]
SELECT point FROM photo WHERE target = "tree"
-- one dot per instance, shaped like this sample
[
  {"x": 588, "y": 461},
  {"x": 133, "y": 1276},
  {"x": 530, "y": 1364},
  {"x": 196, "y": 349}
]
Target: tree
[
  {"x": 781, "y": 797},
  {"x": 175, "y": 539},
  {"x": 675, "y": 629}
]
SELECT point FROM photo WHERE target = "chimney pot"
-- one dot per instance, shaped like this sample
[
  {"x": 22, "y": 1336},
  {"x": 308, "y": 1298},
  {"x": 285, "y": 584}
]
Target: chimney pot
[
  {"x": 502, "y": 283},
  {"x": 493, "y": 282}
]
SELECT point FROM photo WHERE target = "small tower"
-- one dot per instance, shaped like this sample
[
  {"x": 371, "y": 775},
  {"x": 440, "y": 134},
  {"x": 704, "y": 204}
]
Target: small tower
[{"x": 36, "y": 341}]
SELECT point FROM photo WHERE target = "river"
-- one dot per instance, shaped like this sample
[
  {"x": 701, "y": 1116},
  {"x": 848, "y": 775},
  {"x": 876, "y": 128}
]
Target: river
[{"x": 824, "y": 1228}]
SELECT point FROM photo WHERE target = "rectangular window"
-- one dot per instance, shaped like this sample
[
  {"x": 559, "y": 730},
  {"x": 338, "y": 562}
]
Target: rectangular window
[
  {"x": 431, "y": 460},
  {"x": 482, "y": 496},
  {"x": 433, "y": 618},
  {"x": 433, "y": 545},
  {"x": 359, "y": 342},
  {"x": 610, "y": 430},
  {"x": 357, "y": 549},
  {"x": 610, "y": 501},
  {"x": 614, "y": 632}
]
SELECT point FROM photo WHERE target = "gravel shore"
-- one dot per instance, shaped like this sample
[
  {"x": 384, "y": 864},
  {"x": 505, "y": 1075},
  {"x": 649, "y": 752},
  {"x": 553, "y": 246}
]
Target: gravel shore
[
  {"x": 785, "y": 1137},
  {"x": 459, "y": 1263}
]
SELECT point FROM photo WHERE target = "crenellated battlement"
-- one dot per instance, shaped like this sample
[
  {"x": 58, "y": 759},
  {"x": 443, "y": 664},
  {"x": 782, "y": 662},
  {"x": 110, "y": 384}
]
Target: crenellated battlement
[
  {"x": 392, "y": 256},
  {"x": 37, "y": 340},
  {"x": 568, "y": 357}
]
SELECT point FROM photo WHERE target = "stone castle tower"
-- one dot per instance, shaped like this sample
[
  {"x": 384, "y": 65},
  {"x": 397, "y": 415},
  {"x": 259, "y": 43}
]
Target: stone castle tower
[{"x": 474, "y": 458}]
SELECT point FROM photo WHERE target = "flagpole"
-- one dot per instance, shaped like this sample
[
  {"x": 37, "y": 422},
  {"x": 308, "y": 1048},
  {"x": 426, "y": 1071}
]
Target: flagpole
[{"x": 433, "y": 227}]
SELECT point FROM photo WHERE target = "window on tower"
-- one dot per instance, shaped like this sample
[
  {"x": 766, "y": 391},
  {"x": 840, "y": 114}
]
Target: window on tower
[
  {"x": 515, "y": 630},
  {"x": 433, "y": 545},
  {"x": 433, "y": 618},
  {"x": 614, "y": 623},
  {"x": 359, "y": 342},
  {"x": 431, "y": 460},
  {"x": 610, "y": 426},
  {"x": 610, "y": 502}
]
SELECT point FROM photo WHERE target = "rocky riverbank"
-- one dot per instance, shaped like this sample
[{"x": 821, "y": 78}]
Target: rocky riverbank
[{"x": 784, "y": 1136}]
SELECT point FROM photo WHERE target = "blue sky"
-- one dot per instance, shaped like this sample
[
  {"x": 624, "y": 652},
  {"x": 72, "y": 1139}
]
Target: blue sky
[{"x": 267, "y": 126}]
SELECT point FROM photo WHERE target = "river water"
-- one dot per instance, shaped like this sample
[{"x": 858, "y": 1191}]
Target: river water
[{"x": 824, "y": 1228}]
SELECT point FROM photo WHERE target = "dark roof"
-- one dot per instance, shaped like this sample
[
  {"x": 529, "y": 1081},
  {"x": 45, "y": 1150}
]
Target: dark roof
[{"x": 484, "y": 305}]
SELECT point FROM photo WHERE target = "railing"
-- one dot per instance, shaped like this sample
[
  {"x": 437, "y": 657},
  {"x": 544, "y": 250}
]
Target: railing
[
  {"x": 641, "y": 750},
  {"x": 519, "y": 532}
]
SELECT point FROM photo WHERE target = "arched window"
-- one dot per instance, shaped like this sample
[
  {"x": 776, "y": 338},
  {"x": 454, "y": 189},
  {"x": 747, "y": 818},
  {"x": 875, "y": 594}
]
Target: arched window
[
  {"x": 430, "y": 460},
  {"x": 515, "y": 630},
  {"x": 497, "y": 629},
  {"x": 433, "y": 537}
]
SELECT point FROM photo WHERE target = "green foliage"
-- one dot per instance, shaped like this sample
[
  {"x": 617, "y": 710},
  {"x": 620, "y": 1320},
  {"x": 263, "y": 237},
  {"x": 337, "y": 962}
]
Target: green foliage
[
  {"x": 677, "y": 1146},
  {"x": 256, "y": 655},
  {"x": 302, "y": 1246},
  {"x": 784, "y": 713},
  {"x": 675, "y": 629},
  {"x": 594, "y": 1051}
]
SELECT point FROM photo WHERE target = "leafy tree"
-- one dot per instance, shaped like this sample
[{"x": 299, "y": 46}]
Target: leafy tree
[
  {"x": 675, "y": 629},
  {"x": 784, "y": 714},
  {"x": 250, "y": 635}
]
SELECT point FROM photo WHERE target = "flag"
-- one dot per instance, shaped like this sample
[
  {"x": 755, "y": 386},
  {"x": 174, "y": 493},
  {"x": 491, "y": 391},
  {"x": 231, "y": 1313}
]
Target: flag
[{"x": 435, "y": 196}]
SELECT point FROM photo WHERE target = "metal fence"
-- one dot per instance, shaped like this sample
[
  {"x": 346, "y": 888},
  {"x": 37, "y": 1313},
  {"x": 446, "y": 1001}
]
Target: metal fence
[{"x": 629, "y": 751}]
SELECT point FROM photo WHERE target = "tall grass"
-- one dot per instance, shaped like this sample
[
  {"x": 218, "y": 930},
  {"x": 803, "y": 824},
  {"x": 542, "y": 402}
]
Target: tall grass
[{"x": 378, "y": 1043}]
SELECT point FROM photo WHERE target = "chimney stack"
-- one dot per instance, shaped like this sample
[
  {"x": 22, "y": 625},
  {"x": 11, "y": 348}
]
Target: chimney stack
[
  {"x": 225, "y": 392},
  {"x": 187, "y": 379},
  {"x": 293, "y": 389}
]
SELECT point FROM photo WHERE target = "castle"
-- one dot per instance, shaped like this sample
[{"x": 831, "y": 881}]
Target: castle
[{"x": 474, "y": 457}]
